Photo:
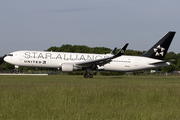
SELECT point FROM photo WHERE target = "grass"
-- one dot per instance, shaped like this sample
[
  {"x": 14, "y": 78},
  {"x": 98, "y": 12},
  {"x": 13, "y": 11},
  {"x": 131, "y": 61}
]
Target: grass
[{"x": 101, "y": 98}]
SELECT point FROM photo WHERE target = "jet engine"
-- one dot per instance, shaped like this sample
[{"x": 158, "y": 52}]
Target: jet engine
[{"x": 67, "y": 67}]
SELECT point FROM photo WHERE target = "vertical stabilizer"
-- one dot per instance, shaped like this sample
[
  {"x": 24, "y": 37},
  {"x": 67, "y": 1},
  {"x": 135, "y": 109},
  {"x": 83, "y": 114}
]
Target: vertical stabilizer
[{"x": 159, "y": 50}]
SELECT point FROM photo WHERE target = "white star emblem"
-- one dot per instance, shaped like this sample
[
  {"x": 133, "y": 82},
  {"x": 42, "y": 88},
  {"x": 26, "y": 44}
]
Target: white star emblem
[{"x": 160, "y": 52}]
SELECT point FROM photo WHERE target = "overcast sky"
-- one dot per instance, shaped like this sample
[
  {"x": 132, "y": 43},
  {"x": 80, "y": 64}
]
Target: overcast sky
[{"x": 40, "y": 24}]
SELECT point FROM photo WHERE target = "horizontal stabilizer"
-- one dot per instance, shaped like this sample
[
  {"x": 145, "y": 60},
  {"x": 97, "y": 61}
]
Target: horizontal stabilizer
[{"x": 155, "y": 63}]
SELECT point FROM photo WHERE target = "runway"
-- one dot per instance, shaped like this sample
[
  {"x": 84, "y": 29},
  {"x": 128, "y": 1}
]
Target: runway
[{"x": 21, "y": 74}]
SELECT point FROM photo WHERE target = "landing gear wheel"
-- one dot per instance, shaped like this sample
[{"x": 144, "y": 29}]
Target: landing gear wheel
[
  {"x": 90, "y": 76},
  {"x": 16, "y": 70},
  {"x": 85, "y": 76}
]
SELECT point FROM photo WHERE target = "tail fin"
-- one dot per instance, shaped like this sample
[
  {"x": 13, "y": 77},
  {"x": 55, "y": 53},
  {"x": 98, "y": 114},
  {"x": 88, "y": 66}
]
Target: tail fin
[{"x": 159, "y": 50}]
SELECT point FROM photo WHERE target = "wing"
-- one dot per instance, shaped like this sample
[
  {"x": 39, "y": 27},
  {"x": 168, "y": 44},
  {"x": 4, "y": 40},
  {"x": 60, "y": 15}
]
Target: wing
[{"x": 102, "y": 61}]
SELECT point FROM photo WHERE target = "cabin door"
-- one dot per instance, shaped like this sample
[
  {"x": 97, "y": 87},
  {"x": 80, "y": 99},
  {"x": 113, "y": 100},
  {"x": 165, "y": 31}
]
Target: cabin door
[{"x": 136, "y": 62}]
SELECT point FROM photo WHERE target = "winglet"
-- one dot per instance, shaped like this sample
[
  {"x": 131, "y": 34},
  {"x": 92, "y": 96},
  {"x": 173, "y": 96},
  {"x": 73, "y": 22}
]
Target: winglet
[
  {"x": 113, "y": 51},
  {"x": 121, "y": 52}
]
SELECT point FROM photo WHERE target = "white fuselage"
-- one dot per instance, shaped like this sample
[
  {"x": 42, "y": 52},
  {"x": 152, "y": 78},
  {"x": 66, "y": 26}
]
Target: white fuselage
[{"x": 44, "y": 59}]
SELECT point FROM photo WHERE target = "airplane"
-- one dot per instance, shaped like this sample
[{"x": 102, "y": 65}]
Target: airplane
[{"x": 69, "y": 62}]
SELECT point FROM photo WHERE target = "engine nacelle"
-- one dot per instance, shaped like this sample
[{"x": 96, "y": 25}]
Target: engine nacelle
[{"x": 66, "y": 67}]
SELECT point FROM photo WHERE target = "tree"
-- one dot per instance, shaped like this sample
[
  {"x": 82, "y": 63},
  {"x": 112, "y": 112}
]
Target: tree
[
  {"x": 6, "y": 66},
  {"x": 178, "y": 63},
  {"x": 168, "y": 69},
  {"x": 53, "y": 48}
]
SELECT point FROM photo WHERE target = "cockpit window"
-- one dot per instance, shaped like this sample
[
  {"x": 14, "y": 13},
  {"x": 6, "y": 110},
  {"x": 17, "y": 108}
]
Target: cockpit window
[{"x": 10, "y": 54}]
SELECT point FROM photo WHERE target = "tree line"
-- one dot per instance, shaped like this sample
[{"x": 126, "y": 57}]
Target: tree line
[{"x": 175, "y": 64}]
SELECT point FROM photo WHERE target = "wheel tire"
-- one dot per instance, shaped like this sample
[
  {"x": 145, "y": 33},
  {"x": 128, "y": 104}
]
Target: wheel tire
[
  {"x": 85, "y": 76},
  {"x": 90, "y": 76}
]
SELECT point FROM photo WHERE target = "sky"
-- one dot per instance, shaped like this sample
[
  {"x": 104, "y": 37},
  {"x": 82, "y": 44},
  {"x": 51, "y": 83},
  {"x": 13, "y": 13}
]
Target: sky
[{"x": 41, "y": 24}]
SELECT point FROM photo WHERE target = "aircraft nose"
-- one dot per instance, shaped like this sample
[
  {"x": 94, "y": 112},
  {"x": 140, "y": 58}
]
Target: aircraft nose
[{"x": 6, "y": 59}]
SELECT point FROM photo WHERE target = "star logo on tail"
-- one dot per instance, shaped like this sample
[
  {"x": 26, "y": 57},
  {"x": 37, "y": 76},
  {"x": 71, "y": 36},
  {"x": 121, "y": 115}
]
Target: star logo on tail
[{"x": 159, "y": 51}]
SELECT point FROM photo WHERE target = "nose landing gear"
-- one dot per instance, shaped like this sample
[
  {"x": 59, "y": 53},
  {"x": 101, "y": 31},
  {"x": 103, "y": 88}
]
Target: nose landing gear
[{"x": 16, "y": 70}]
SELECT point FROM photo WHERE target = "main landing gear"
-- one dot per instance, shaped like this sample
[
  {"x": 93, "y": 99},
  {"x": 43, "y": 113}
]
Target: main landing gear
[{"x": 88, "y": 74}]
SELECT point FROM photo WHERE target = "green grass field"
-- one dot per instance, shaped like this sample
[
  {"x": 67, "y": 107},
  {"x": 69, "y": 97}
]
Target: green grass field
[{"x": 65, "y": 97}]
